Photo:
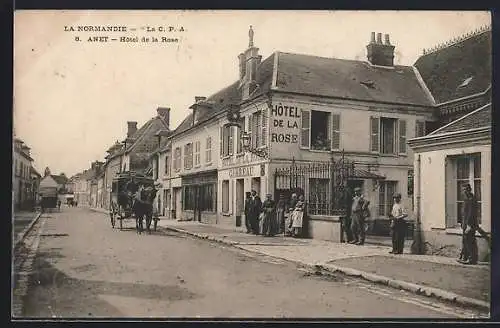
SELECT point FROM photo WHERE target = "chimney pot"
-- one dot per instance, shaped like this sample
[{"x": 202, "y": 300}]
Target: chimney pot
[
  {"x": 199, "y": 98},
  {"x": 372, "y": 40},
  {"x": 387, "y": 41},
  {"x": 131, "y": 128},
  {"x": 379, "y": 38}
]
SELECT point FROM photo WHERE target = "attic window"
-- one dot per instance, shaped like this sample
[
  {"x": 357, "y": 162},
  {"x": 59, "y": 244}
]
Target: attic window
[
  {"x": 369, "y": 84},
  {"x": 465, "y": 82}
]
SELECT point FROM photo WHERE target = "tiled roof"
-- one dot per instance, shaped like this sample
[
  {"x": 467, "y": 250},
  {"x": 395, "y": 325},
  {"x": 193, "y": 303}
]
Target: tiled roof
[
  {"x": 479, "y": 118},
  {"x": 466, "y": 63},
  {"x": 230, "y": 95},
  {"x": 364, "y": 174},
  {"x": 350, "y": 79},
  {"x": 59, "y": 179}
]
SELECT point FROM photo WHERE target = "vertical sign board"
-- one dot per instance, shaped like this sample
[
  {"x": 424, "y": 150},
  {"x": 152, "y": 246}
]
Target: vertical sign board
[{"x": 285, "y": 126}]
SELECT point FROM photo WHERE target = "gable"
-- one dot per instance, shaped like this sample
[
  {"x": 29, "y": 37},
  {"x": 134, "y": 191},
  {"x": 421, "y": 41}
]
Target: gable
[{"x": 48, "y": 182}]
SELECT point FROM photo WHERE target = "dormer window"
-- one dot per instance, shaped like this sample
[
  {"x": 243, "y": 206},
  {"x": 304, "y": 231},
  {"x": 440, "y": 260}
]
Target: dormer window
[{"x": 465, "y": 82}]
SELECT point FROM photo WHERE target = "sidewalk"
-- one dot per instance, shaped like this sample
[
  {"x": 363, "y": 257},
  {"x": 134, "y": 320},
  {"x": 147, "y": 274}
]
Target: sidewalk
[
  {"x": 22, "y": 222},
  {"x": 435, "y": 276}
]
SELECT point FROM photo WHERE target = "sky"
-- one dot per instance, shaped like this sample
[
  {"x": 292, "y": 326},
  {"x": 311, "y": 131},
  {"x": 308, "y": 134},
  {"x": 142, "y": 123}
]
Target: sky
[{"x": 72, "y": 100}]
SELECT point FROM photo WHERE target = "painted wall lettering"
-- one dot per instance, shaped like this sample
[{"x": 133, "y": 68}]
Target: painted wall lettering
[{"x": 285, "y": 124}]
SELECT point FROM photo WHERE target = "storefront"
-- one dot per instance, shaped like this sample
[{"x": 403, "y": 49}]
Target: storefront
[
  {"x": 233, "y": 183},
  {"x": 199, "y": 196}
]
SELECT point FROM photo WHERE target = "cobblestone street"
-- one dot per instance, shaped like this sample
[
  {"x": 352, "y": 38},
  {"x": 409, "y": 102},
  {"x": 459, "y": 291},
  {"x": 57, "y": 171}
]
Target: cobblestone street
[{"x": 84, "y": 268}]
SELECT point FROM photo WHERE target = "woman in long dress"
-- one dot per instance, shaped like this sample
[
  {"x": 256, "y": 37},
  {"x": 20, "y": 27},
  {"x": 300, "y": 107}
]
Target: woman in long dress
[
  {"x": 280, "y": 214},
  {"x": 268, "y": 226},
  {"x": 289, "y": 219},
  {"x": 297, "y": 217}
]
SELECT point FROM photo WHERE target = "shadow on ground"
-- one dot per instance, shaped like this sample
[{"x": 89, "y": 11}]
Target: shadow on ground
[{"x": 52, "y": 293}]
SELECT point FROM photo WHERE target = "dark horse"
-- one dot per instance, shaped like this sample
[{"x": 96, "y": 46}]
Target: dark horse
[{"x": 143, "y": 207}]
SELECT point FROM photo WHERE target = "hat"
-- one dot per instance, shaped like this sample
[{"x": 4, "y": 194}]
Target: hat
[
  {"x": 357, "y": 189},
  {"x": 396, "y": 195}
]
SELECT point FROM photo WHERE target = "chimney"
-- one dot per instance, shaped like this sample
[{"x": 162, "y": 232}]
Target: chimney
[
  {"x": 378, "y": 53},
  {"x": 242, "y": 61},
  {"x": 252, "y": 62},
  {"x": 199, "y": 98},
  {"x": 131, "y": 128},
  {"x": 164, "y": 114}
]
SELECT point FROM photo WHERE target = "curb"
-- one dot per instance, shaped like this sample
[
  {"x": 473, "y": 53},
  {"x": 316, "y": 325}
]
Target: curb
[
  {"x": 27, "y": 229},
  {"x": 328, "y": 268}
]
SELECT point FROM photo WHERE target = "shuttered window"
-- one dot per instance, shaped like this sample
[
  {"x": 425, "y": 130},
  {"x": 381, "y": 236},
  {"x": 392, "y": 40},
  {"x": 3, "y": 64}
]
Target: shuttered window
[
  {"x": 305, "y": 140},
  {"x": 335, "y": 131},
  {"x": 419, "y": 129},
  {"x": 197, "y": 153},
  {"x": 230, "y": 138},
  {"x": 374, "y": 133},
  {"x": 402, "y": 136},
  {"x": 208, "y": 150},
  {"x": 264, "y": 127},
  {"x": 221, "y": 136},
  {"x": 256, "y": 129}
]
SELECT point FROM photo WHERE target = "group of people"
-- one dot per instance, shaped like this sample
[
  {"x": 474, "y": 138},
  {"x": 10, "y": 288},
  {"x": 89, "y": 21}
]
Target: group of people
[
  {"x": 354, "y": 225},
  {"x": 270, "y": 218}
]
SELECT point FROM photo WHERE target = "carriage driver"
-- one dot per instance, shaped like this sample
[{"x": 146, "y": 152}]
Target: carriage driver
[{"x": 132, "y": 187}]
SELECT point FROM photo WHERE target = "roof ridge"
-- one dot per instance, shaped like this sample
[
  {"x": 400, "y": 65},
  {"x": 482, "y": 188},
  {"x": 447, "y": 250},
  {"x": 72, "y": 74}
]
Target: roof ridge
[{"x": 458, "y": 39}]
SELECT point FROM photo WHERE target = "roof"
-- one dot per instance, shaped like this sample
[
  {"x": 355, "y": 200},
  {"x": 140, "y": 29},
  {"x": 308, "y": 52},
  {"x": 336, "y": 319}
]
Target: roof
[
  {"x": 149, "y": 129},
  {"x": 466, "y": 63},
  {"x": 351, "y": 79},
  {"x": 479, "y": 118},
  {"x": 59, "y": 179},
  {"x": 48, "y": 182},
  {"x": 230, "y": 95}
]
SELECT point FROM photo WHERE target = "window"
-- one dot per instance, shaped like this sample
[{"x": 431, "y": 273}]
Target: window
[
  {"x": 468, "y": 171},
  {"x": 167, "y": 165},
  {"x": 177, "y": 159},
  {"x": 189, "y": 198},
  {"x": 387, "y": 135},
  {"x": 256, "y": 132},
  {"x": 208, "y": 199},
  {"x": 419, "y": 129},
  {"x": 197, "y": 155},
  {"x": 188, "y": 156},
  {"x": 227, "y": 141},
  {"x": 326, "y": 133},
  {"x": 225, "y": 196},
  {"x": 385, "y": 193},
  {"x": 239, "y": 140},
  {"x": 208, "y": 150},
  {"x": 318, "y": 196}
]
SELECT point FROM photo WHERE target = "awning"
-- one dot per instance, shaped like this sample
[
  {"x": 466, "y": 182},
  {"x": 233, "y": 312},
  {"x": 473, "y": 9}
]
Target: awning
[{"x": 364, "y": 174}]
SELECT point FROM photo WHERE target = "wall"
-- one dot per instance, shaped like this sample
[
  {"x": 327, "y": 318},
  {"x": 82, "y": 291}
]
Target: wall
[
  {"x": 433, "y": 198},
  {"x": 112, "y": 168}
]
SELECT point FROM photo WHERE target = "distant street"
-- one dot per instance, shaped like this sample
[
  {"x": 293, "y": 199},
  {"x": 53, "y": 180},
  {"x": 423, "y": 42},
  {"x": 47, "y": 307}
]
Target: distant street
[{"x": 84, "y": 268}]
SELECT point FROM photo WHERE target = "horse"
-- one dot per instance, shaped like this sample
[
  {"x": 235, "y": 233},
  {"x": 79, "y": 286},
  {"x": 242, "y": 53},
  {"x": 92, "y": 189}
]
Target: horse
[{"x": 143, "y": 207}]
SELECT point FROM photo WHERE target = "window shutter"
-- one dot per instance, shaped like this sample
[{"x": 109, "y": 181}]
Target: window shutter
[
  {"x": 305, "y": 140},
  {"x": 336, "y": 131},
  {"x": 230, "y": 140},
  {"x": 374, "y": 129},
  {"x": 221, "y": 151},
  {"x": 420, "y": 129},
  {"x": 402, "y": 136},
  {"x": 264, "y": 127}
]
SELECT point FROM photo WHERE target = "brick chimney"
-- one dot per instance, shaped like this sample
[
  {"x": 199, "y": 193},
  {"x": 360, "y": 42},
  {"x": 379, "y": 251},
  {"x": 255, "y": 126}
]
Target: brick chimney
[
  {"x": 164, "y": 114},
  {"x": 131, "y": 128},
  {"x": 378, "y": 53},
  {"x": 249, "y": 62}
]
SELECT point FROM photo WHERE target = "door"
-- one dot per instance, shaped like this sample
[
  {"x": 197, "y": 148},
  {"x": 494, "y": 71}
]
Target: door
[
  {"x": 240, "y": 199},
  {"x": 197, "y": 203}
]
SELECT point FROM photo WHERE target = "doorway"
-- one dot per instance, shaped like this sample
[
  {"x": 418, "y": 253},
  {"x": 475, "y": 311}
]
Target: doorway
[
  {"x": 240, "y": 199},
  {"x": 197, "y": 203},
  {"x": 255, "y": 185}
]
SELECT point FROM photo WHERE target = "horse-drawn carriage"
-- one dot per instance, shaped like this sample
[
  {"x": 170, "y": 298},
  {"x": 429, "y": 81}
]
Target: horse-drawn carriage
[{"x": 132, "y": 196}]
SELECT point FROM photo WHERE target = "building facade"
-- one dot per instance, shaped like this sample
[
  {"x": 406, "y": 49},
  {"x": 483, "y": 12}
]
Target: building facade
[
  {"x": 22, "y": 183},
  {"x": 459, "y": 152},
  {"x": 300, "y": 110}
]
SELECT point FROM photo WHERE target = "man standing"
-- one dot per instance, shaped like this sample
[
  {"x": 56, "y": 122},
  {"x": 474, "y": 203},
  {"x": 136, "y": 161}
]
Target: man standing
[
  {"x": 256, "y": 207},
  {"x": 398, "y": 224},
  {"x": 358, "y": 217},
  {"x": 469, "y": 226},
  {"x": 248, "y": 205},
  {"x": 132, "y": 187}
]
